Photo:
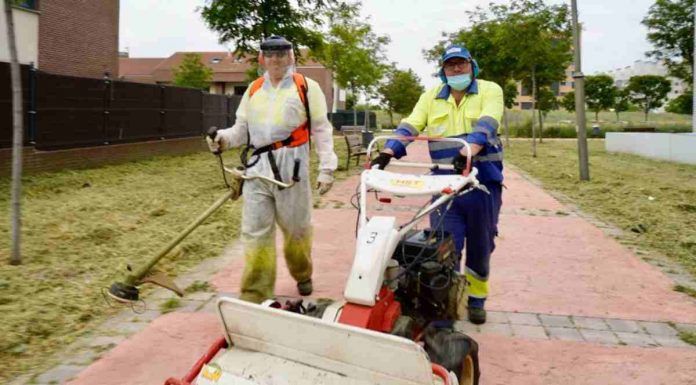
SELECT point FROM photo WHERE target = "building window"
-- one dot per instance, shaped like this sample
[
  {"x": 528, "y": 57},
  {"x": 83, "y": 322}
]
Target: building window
[
  {"x": 524, "y": 91},
  {"x": 526, "y": 105},
  {"x": 215, "y": 60},
  {"x": 572, "y": 85},
  {"x": 28, "y": 4},
  {"x": 555, "y": 87},
  {"x": 239, "y": 90}
]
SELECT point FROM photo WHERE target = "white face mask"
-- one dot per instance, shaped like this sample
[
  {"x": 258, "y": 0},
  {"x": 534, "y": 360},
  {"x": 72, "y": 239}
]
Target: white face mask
[{"x": 459, "y": 82}]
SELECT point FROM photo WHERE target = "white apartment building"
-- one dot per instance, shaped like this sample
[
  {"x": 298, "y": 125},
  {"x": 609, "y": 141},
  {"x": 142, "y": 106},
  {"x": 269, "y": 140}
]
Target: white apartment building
[{"x": 645, "y": 67}]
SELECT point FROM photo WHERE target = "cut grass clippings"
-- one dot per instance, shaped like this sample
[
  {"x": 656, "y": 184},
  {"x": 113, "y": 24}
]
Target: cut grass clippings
[
  {"x": 82, "y": 227},
  {"x": 688, "y": 337},
  {"x": 652, "y": 201},
  {"x": 686, "y": 290}
]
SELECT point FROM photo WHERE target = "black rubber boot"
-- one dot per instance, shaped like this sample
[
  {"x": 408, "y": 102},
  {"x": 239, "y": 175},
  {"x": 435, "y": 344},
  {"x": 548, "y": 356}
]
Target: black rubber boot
[
  {"x": 477, "y": 315},
  {"x": 305, "y": 288}
]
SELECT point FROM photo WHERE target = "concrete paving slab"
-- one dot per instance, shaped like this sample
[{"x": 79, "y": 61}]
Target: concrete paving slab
[
  {"x": 659, "y": 329},
  {"x": 636, "y": 339},
  {"x": 590, "y": 323},
  {"x": 624, "y": 326},
  {"x": 605, "y": 337},
  {"x": 529, "y": 332},
  {"x": 561, "y": 333},
  {"x": 524, "y": 319}
]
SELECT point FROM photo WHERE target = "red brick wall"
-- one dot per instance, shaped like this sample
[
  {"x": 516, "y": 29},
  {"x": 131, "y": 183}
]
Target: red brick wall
[
  {"x": 78, "y": 37},
  {"x": 325, "y": 80},
  {"x": 42, "y": 161}
]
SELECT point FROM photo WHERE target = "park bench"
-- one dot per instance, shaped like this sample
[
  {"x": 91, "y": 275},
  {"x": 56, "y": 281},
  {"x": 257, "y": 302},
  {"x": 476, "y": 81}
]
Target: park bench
[{"x": 354, "y": 142}]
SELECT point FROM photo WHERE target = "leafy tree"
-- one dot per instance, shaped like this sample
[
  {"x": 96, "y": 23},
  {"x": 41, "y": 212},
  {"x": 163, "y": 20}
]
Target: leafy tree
[
  {"x": 245, "y": 24},
  {"x": 648, "y": 91},
  {"x": 671, "y": 30},
  {"x": 599, "y": 93},
  {"x": 400, "y": 92},
  {"x": 193, "y": 73},
  {"x": 546, "y": 101},
  {"x": 538, "y": 59},
  {"x": 622, "y": 101},
  {"x": 682, "y": 104},
  {"x": 509, "y": 97},
  {"x": 509, "y": 94},
  {"x": 353, "y": 52},
  {"x": 568, "y": 101}
]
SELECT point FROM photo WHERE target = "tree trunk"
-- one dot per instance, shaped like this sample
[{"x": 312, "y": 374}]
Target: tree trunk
[
  {"x": 596, "y": 116},
  {"x": 534, "y": 151},
  {"x": 617, "y": 116},
  {"x": 541, "y": 126},
  {"x": 355, "y": 104},
  {"x": 507, "y": 127},
  {"x": 17, "y": 140},
  {"x": 646, "y": 113},
  {"x": 391, "y": 118}
]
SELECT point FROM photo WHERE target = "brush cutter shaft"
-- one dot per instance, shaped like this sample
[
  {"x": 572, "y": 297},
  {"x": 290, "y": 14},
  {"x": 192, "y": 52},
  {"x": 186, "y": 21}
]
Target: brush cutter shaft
[{"x": 137, "y": 276}]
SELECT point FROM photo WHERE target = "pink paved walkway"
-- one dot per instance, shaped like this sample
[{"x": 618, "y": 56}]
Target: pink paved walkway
[{"x": 550, "y": 264}]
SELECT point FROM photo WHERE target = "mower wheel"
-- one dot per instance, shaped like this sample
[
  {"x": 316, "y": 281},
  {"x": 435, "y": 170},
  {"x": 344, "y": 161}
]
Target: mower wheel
[{"x": 455, "y": 351}]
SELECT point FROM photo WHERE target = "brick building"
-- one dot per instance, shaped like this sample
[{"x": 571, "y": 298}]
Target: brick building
[
  {"x": 229, "y": 72},
  {"x": 66, "y": 37}
]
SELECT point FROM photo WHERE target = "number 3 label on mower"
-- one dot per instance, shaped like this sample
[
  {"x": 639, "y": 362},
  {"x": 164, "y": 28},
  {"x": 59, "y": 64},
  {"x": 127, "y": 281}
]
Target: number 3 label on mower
[{"x": 213, "y": 375}]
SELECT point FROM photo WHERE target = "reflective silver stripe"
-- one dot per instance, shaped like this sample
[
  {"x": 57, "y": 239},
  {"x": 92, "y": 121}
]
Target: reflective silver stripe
[
  {"x": 475, "y": 275},
  {"x": 412, "y": 131},
  {"x": 438, "y": 145},
  {"x": 494, "y": 123},
  {"x": 495, "y": 157},
  {"x": 443, "y": 160},
  {"x": 491, "y": 136}
]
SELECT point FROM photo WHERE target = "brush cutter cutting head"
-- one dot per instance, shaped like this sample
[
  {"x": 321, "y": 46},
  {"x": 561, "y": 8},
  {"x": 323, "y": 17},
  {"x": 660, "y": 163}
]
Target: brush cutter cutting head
[{"x": 124, "y": 293}]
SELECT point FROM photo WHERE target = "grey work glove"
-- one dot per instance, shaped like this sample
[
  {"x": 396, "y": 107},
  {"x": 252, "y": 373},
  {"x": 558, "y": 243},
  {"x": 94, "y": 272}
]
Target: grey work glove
[{"x": 325, "y": 181}]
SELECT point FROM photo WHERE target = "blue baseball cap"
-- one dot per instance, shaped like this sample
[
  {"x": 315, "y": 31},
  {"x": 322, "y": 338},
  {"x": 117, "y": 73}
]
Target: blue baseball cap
[{"x": 455, "y": 50}]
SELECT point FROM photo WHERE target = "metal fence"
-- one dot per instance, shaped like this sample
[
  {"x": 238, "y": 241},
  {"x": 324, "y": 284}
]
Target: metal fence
[{"x": 65, "y": 111}]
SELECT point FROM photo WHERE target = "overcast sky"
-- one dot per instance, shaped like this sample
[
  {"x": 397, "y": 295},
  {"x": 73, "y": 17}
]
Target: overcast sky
[{"x": 613, "y": 36}]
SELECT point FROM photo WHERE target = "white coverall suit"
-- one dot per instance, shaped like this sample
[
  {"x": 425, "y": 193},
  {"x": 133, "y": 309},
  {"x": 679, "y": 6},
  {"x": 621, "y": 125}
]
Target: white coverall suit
[{"x": 270, "y": 115}]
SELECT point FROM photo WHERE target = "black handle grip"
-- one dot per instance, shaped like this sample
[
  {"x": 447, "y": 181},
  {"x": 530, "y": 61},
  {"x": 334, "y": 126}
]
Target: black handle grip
[
  {"x": 296, "y": 171},
  {"x": 212, "y": 133}
]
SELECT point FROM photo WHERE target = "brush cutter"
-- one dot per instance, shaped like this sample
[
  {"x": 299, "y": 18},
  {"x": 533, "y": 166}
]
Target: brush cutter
[
  {"x": 127, "y": 291},
  {"x": 387, "y": 329}
]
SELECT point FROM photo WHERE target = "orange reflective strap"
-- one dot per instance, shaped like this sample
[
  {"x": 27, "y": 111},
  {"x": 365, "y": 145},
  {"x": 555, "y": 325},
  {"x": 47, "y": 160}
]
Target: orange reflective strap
[
  {"x": 255, "y": 86},
  {"x": 301, "y": 85},
  {"x": 300, "y": 135}
]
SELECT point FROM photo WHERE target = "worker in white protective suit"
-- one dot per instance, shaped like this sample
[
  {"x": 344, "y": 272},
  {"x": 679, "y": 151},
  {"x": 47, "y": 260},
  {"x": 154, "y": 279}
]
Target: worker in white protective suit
[{"x": 273, "y": 126}]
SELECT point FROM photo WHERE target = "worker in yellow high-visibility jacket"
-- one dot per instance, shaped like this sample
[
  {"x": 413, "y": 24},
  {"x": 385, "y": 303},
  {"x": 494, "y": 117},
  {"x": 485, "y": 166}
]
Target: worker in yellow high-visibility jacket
[
  {"x": 466, "y": 107},
  {"x": 276, "y": 116}
]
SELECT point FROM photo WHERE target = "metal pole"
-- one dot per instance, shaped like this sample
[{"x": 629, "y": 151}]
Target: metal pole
[
  {"x": 17, "y": 138},
  {"x": 579, "y": 79}
]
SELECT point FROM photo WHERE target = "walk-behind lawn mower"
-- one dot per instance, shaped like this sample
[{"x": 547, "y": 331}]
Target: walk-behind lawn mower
[{"x": 402, "y": 286}]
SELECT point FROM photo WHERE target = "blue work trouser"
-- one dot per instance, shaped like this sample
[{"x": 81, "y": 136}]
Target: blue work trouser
[{"x": 473, "y": 217}]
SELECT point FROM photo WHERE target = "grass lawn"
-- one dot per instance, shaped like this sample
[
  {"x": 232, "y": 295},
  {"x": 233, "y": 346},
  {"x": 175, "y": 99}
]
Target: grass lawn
[
  {"x": 80, "y": 229},
  {"x": 654, "y": 202},
  {"x": 607, "y": 119}
]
